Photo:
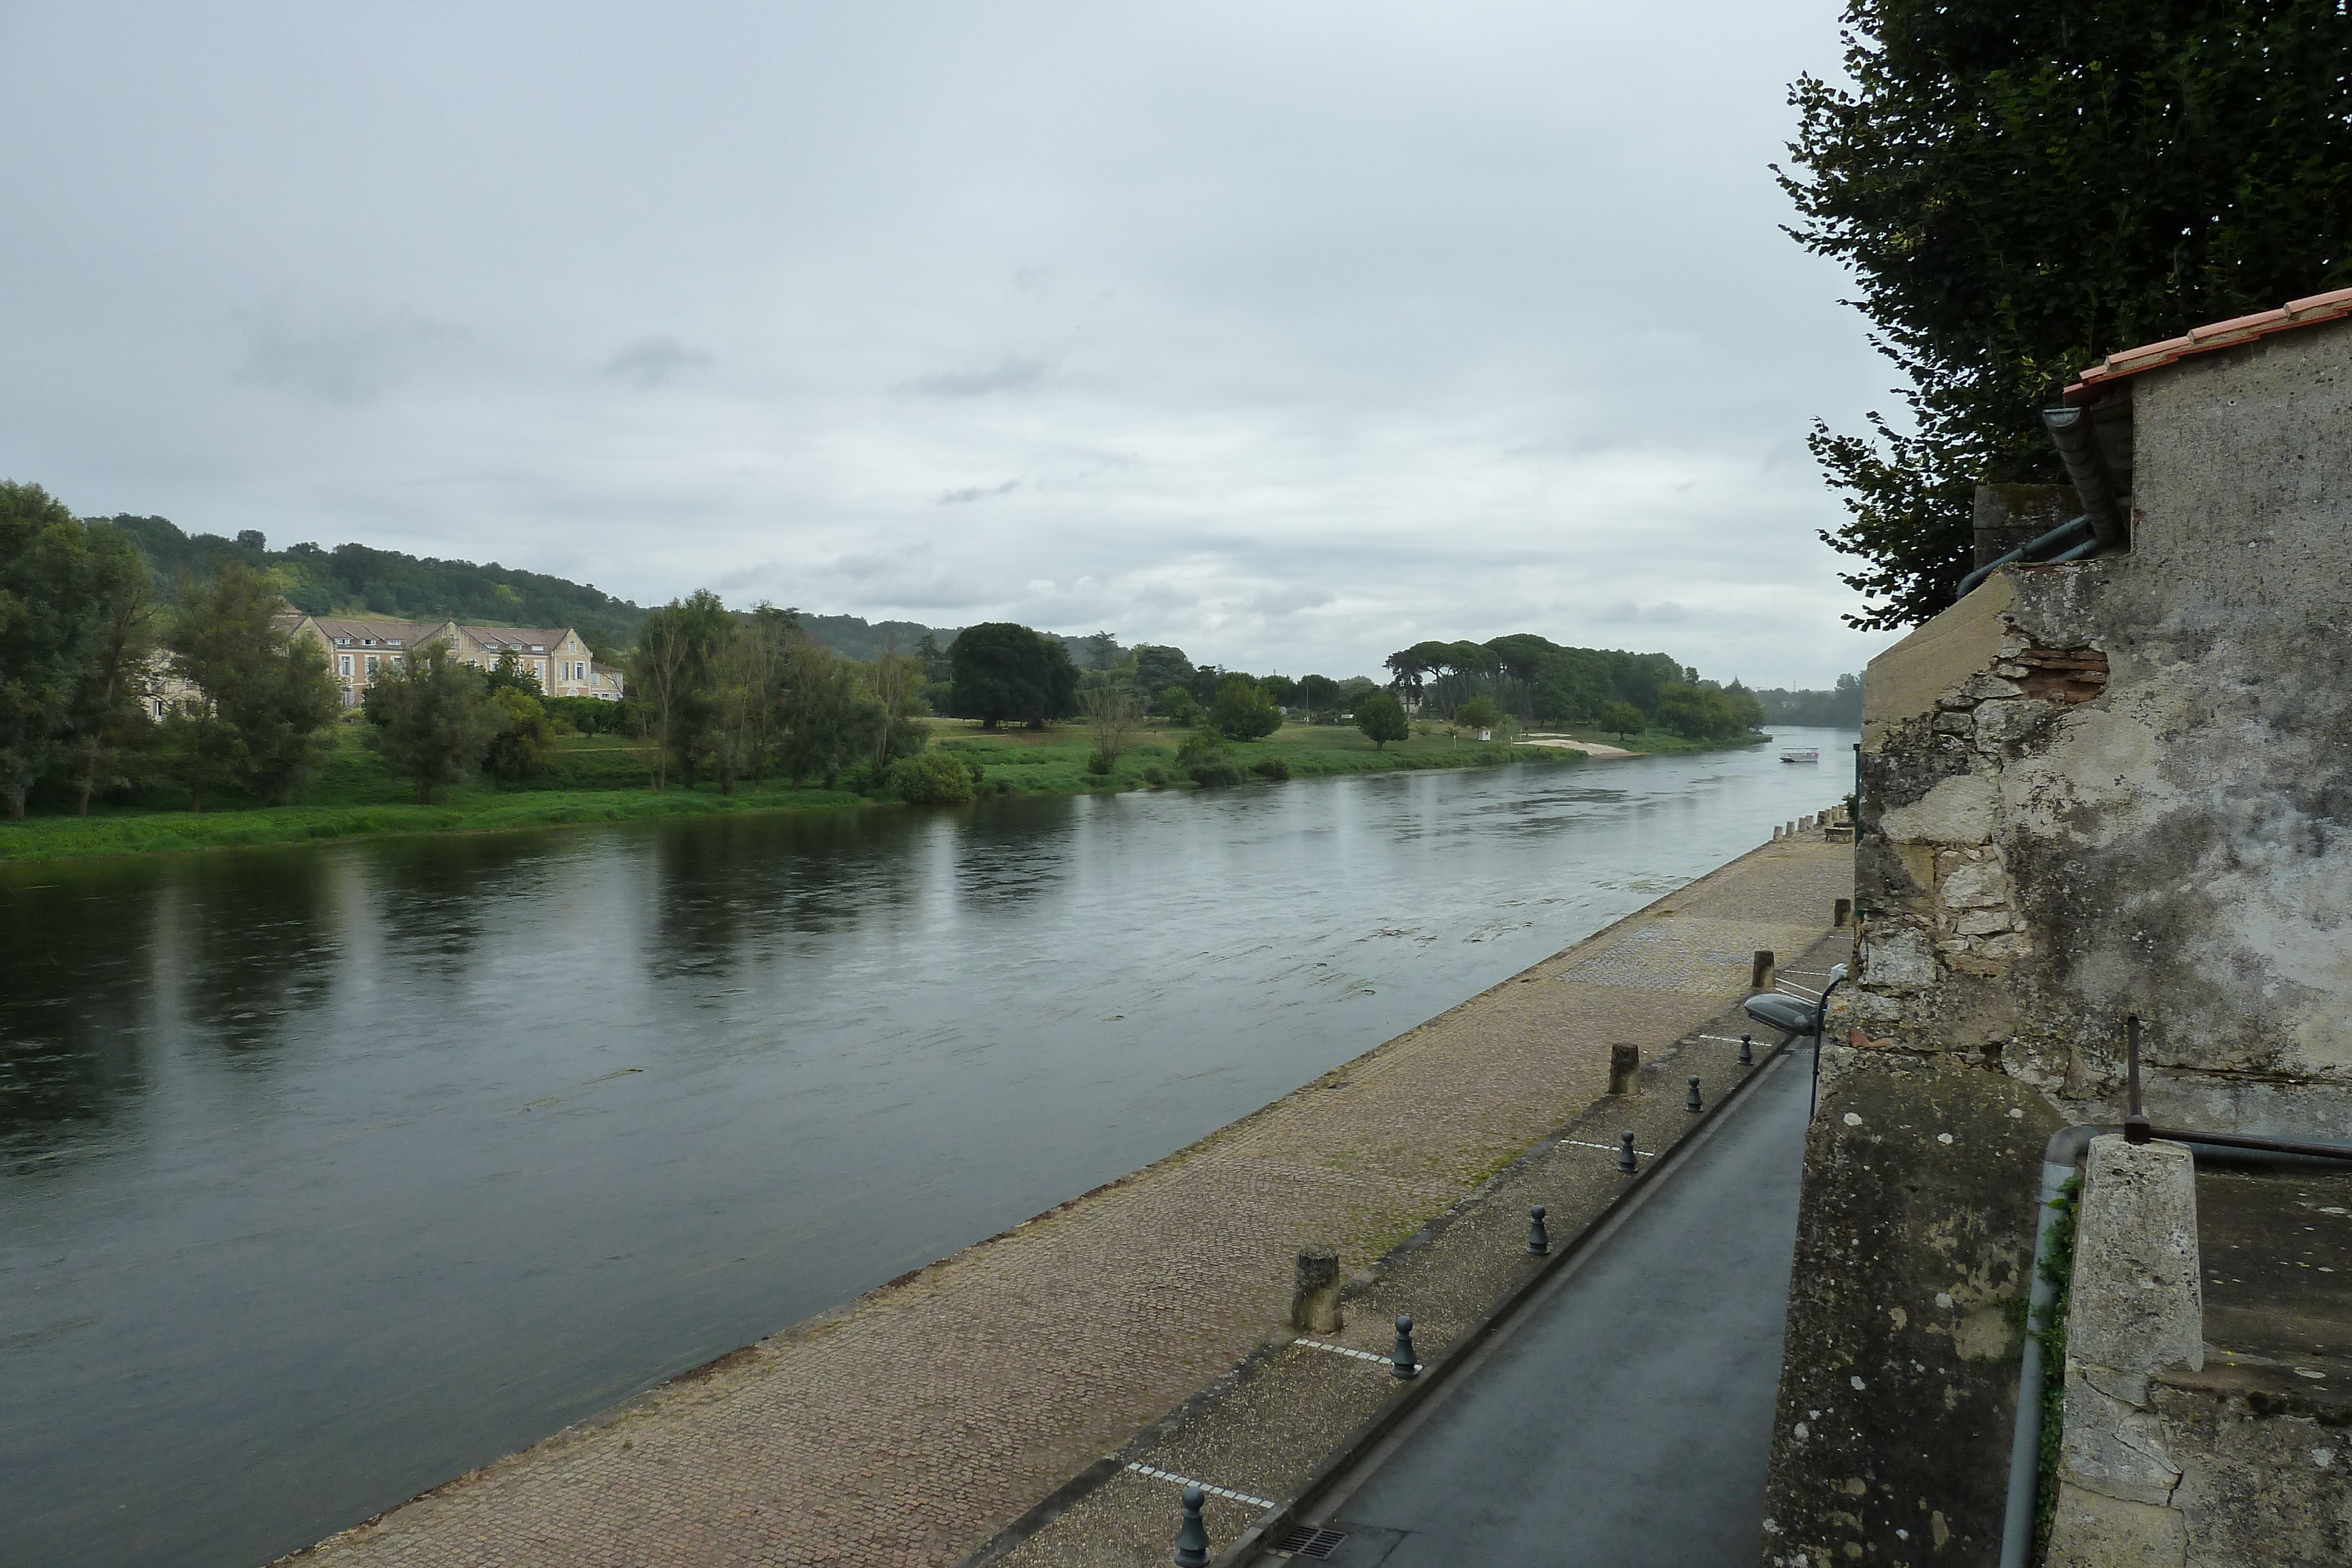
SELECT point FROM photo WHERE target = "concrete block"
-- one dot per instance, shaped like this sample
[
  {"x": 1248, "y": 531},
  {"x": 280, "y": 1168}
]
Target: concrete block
[
  {"x": 2138, "y": 1303},
  {"x": 1958, "y": 810},
  {"x": 1897, "y": 957},
  {"x": 2095, "y": 1532},
  {"x": 2113, "y": 1445}
]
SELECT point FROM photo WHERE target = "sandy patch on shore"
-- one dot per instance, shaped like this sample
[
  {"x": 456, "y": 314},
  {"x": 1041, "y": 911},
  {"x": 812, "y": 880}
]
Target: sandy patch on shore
[{"x": 1589, "y": 748}]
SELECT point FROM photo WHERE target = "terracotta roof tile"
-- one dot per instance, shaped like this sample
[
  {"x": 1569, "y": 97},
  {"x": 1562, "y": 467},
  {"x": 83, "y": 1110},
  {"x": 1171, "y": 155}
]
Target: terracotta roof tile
[{"x": 2333, "y": 306}]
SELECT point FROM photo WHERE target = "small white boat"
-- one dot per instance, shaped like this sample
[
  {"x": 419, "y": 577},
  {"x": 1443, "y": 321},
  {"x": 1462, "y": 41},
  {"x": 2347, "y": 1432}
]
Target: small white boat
[{"x": 1801, "y": 754}]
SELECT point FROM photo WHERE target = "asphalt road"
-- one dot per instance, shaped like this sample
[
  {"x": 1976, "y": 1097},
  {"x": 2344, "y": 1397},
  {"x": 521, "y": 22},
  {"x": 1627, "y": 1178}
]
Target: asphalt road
[{"x": 1626, "y": 1416}]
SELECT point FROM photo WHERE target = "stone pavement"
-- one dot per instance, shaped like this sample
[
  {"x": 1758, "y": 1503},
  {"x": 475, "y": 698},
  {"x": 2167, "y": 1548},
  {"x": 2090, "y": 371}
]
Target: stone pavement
[{"x": 915, "y": 1424}]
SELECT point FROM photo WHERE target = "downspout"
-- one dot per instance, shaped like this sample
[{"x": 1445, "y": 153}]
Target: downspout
[
  {"x": 2070, "y": 432},
  {"x": 2059, "y": 1158},
  {"x": 2063, "y": 534}
]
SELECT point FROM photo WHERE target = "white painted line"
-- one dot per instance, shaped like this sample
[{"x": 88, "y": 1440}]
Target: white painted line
[
  {"x": 1343, "y": 1350},
  {"x": 1612, "y": 1148},
  {"x": 1808, "y": 996},
  {"x": 1226, "y": 1493},
  {"x": 1729, "y": 1039}
]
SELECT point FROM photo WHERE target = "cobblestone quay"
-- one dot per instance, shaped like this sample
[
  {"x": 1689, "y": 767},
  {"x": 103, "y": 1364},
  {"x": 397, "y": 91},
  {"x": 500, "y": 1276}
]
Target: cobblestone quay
[{"x": 913, "y": 1425}]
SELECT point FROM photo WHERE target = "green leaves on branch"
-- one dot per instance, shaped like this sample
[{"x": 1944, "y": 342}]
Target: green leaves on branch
[
  {"x": 1381, "y": 718},
  {"x": 2020, "y": 190}
]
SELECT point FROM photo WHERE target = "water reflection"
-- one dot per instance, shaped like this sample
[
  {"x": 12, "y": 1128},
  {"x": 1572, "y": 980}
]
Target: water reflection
[{"x": 421, "y": 1149}]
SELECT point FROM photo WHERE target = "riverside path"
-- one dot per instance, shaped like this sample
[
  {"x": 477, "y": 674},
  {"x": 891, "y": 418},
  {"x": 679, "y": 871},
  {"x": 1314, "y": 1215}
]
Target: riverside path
[
  {"x": 915, "y": 1424},
  {"x": 1624, "y": 1415}
]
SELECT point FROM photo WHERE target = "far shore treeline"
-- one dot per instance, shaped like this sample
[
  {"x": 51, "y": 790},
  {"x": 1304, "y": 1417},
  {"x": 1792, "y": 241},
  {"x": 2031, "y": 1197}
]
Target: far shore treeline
[{"x": 101, "y": 618}]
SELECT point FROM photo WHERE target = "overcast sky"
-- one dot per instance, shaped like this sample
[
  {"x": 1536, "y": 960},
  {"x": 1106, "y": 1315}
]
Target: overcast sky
[{"x": 1288, "y": 333}]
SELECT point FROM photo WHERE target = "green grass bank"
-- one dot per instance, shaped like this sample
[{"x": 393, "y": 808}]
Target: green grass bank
[{"x": 598, "y": 779}]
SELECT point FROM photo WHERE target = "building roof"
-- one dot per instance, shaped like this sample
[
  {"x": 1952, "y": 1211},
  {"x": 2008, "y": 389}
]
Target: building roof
[
  {"x": 2331, "y": 306},
  {"x": 384, "y": 631},
  {"x": 521, "y": 639}
]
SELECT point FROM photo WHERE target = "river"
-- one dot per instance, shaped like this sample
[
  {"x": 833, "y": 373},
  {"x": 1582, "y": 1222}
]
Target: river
[{"x": 328, "y": 1172}]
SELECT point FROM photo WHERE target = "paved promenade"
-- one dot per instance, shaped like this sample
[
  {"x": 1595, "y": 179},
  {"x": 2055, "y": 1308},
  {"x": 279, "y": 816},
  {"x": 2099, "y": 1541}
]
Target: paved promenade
[{"x": 914, "y": 1425}]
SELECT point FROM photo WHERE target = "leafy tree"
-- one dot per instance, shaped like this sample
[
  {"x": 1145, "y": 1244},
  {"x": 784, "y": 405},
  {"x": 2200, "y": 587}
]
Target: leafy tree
[
  {"x": 830, "y": 720},
  {"x": 1243, "y": 711},
  {"x": 1005, "y": 671},
  {"x": 896, "y": 681},
  {"x": 673, "y": 671},
  {"x": 934, "y": 778},
  {"x": 1158, "y": 668},
  {"x": 1176, "y": 705},
  {"x": 525, "y": 739},
  {"x": 1621, "y": 719},
  {"x": 750, "y": 674},
  {"x": 2022, "y": 188},
  {"x": 1478, "y": 713},
  {"x": 1320, "y": 693},
  {"x": 511, "y": 674},
  {"x": 1280, "y": 690},
  {"x": 1381, "y": 718},
  {"x": 264, "y": 701},
  {"x": 434, "y": 718},
  {"x": 71, "y": 629},
  {"x": 1840, "y": 709},
  {"x": 1708, "y": 713}
]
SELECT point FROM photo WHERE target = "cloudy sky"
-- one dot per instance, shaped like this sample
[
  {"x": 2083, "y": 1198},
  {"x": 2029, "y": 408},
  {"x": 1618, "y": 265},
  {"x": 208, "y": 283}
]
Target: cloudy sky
[{"x": 1291, "y": 333}]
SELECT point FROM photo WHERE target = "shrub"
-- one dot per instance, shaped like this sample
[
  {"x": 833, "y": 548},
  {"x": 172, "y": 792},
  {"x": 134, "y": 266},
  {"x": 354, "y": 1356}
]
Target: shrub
[
  {"x": 978, "y": 770},
  {"x": 1215, "y": 772},
  {"x": 1200, "y": 745},
  {"x": 1271, "y": 767},
  {"x": 1099, "y": 765},
  {"x": 1155, "y": 776},
  {"x": 932, "y": 778}
]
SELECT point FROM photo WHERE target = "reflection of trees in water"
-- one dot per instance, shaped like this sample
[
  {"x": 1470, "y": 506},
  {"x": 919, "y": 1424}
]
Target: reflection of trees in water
[
  {"x": 727, "y": 887},
  {"x": 432, "y": 897},
  {"x": 256, "y": 936},
  {"x": 75, "y": 985}
]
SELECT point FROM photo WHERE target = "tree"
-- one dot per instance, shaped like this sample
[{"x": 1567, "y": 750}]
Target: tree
[
  {"x": 509, "y": 674},
  {"x": 1319, "y": 692},
  {"x": 2022, "y": 188},
  {"x": 1280, "y": 690},
  {"x": 1478, "y": 713},
  {"x": 673, "y": 671},
  {"x": 1381, "y": 718},
  {"x": 65, "y": 591},
  {"x": 896, "y": 680},
  {"x": 1158, "y": 668},
  {"x": 830, "y": 720},
  {"x": 113, "y": 733},
  {"x": 525, "y": 739},
  {"x": 263, "y": 701},
  {"x": 1242, "y": 710},
  {"x": 934, "y": 778},
  {"x": 1621, "y": 719},
  {"x": 434, "y": 718},
  {"x": 1176, "y": 705},
  {"x": 1112, "y": 715},
  {"x": 1005, "y": 671}
]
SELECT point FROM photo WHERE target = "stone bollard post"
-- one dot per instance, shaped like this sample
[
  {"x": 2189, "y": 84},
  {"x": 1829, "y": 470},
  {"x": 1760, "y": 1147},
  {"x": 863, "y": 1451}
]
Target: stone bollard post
[
  {"x": 1792, "y": 830},
  {"x": 1694, "y": 1103},
  {"x": 1538, "y": 1239},
  {"x": 1625, "y": 1070},
  {"x": 1761, "y": 974},
  {"x": 1841, "y": 912},
  {"x": 1626, "y": 1162},
  {"x": 1193, "y": 1539},
  {"x": 1315, "y": 1298},
  {"x": 1403, "y": 1361}
]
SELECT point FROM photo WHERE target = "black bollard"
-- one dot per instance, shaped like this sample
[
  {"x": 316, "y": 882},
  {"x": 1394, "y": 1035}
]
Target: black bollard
[
  {"x": 1192, "y": 1540},
  {"x": 1747, "y": 1051},
  {"x": 1403, "y": 1362},
  {"x": 1626, "y": 1161},
  {"x": 1538, "y": 1239},
  {"x": 1692, "y": 1103}
]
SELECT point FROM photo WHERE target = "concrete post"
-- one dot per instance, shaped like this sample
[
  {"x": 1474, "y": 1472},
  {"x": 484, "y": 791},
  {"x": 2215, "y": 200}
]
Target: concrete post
[
  {"x": 1315, "y": 1298},
  {"x": 1841, "y": 912},
  {"x": 1761, "y": 973},
  {"x": 2138, "y": 1308},
  {"x": 1625, "y": 1070}
]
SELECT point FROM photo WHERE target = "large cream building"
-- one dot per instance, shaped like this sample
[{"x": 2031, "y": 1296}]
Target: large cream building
[{"x": 357, "y": 649}]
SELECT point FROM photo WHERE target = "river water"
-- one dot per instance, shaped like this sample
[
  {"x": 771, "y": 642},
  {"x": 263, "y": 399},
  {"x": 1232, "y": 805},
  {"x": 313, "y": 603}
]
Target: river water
[{"x": 328, "y": 1172}]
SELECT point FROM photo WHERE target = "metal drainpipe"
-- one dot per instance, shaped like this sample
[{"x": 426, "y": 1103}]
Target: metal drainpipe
[
  {"x": 2026, "y": 551},
  {"x": 2070, "y": 432},
  {"x": 2059, "y": 1158}
]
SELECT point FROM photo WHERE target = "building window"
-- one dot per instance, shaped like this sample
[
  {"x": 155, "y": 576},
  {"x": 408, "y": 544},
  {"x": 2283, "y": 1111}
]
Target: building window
[
  {"x": 343, "y": 664},
  {"x": 372, "y": 661}
]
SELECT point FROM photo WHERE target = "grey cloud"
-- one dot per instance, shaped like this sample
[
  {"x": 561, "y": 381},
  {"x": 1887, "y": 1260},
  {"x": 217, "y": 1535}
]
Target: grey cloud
[
  {"x": 351, "y": 357},
  {"x": 971, "y": 493},
  {"x": 656, "y": 361},
  {"x": 1012, "y": 373}
]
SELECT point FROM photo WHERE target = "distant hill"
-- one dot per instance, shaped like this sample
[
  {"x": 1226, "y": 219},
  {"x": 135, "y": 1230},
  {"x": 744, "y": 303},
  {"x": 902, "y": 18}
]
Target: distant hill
[{"x": 356, "y": 579}]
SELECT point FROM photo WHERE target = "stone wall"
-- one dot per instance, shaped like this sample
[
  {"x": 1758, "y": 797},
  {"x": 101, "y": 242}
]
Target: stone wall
[{"x": 2111, "y": 788}]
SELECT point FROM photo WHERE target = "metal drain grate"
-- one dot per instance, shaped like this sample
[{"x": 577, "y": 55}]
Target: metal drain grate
[{"x": 1314, "y": 1543}]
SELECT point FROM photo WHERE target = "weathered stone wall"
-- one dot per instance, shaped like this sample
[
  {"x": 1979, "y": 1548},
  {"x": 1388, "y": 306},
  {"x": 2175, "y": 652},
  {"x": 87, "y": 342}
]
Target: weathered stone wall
[{"x": 2110, "y": 789}]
